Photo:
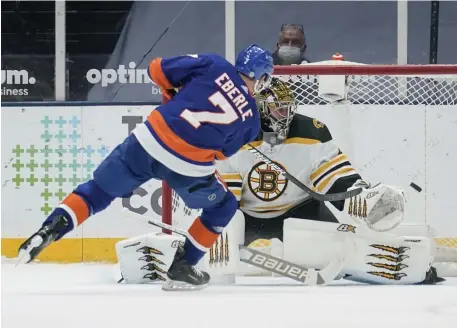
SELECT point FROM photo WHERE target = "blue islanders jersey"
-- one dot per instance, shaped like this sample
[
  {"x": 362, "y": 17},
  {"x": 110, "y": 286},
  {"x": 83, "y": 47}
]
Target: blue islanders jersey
[{"x": 211, "y": 117}]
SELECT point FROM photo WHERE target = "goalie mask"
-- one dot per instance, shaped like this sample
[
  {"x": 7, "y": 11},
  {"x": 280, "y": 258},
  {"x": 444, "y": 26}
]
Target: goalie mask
[{"x": 277, "y": 108}]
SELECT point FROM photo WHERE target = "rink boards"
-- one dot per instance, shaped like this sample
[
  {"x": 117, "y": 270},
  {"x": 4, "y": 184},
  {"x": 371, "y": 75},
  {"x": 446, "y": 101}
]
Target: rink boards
[{"x": 48, "y": 150}]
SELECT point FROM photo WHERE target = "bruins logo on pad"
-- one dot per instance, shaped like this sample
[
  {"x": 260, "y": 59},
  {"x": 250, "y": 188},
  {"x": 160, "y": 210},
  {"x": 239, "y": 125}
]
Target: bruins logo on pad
[
  {"x": 396, "y": 259},
  {"x": 391, "y": 249},
  {"x": 149, "y": 250},
  {"x": 154, "y": 276},
  {"x": 150, "y": 258},
  {"x": 266, "y": 183},
  {"x": 390, "y": 276},
  {"x": 317, "y": 124},
  {"x": 391, "y": 267},
  {"x": 219, "y": 254}
]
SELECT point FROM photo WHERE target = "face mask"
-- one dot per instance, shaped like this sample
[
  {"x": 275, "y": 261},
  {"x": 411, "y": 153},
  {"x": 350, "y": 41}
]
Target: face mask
[{"x": 289, "y": 55}]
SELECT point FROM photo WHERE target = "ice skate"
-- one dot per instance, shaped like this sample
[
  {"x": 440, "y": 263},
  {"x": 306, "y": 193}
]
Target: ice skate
[
  {"x": 183, "y": 276},
  {"x": 41, "y": 239}
]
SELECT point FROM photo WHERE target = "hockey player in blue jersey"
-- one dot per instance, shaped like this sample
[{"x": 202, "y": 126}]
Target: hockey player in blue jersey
[{"x": 211, "y": 117}]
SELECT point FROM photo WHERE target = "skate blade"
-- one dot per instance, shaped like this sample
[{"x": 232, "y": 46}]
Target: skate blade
[
  {"x": 23, "y": 257},
  {"x": 24, "y": 254},
  {"x": 171, "y": 285}
]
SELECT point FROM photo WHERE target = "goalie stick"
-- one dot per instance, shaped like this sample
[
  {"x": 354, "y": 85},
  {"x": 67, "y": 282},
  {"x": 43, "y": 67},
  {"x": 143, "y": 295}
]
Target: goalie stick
[
  {"x": 302, "y": 186},
  {"x": 308, "y": 276}
]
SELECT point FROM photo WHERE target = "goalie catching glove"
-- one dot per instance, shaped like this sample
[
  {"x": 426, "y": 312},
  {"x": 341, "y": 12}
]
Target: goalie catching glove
[{"x": 380, "y": 207}]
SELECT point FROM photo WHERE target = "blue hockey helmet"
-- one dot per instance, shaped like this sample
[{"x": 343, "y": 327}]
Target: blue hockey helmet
[{"x": 257, "y": 64}]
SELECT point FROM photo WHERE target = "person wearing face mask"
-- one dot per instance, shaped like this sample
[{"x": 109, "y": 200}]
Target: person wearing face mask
[{"x": 291, "y": 46}]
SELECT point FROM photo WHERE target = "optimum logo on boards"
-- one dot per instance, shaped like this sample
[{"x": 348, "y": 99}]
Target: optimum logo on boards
[
  {"x": 12, "y": 79},
  {"x": 122, "y": 75}
]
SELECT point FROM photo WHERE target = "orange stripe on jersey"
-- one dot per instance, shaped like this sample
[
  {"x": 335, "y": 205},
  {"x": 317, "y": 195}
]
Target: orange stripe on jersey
[
  {"x": 221, "y": 181},
  {"x": 220, "y": 156},
  {"x": 78, "y": 206},
  {"x": 202, "y": 235},
  {"x": 157, "y": 75},
  {"x": 180, "y": 146}
]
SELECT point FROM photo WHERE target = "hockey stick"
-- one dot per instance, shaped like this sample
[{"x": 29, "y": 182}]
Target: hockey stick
[
  {"x": 308, "y": 276},
  {"x": 155, "y": 43},
  {"x": 156, "y": 223},
  {"x": 302, "y": 186}
]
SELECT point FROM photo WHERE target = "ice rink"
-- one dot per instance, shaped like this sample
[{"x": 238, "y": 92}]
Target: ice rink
[{"x": 87, "y": 295}]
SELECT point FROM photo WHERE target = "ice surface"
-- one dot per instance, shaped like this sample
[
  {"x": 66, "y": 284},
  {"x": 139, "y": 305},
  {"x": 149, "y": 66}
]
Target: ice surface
[{"x": 87, "y": 295}]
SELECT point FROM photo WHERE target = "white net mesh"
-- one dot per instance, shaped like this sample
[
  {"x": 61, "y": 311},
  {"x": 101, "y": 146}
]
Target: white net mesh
[
  {"x": 182, "y": 215},
  {"x": 430, "y": 89},
  {"x": 381, "y": 89}
]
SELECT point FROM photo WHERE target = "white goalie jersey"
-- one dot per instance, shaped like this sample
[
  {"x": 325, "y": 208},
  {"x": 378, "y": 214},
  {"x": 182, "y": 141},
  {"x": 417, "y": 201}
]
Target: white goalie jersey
[{"x": 308, "y": 153}]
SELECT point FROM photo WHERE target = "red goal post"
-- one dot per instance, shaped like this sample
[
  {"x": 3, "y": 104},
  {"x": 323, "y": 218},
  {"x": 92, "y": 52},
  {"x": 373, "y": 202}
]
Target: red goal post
[{"x": 361, "y": 84}]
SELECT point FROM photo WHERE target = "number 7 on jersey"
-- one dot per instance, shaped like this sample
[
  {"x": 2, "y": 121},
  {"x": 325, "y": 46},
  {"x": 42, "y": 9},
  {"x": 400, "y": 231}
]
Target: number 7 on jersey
[{"x": 227, "y": 116}]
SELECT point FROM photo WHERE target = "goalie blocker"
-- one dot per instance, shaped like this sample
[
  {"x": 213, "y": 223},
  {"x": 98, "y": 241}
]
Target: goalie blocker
[{"x": 378, "y": 258}]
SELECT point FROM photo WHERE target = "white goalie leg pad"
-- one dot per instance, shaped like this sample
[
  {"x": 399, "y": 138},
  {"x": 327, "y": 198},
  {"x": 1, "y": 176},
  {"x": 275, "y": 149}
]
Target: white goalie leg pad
[
  {"x": 146, "y": 258},
  {"x": 382, "y": 258},
  {"x": 222, "y": 260}
]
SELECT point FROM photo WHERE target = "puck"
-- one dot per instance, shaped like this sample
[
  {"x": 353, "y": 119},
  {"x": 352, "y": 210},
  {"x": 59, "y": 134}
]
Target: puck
[{"x": 415, "y": 187}]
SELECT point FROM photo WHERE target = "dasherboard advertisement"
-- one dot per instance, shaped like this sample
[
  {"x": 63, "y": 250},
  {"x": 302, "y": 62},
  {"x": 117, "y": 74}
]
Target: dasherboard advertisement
[{"x": 48, "y": 150}]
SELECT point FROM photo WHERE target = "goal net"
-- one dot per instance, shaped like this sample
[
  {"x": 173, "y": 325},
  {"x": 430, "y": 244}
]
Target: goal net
[{"x": 394, "y": 122}]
